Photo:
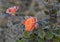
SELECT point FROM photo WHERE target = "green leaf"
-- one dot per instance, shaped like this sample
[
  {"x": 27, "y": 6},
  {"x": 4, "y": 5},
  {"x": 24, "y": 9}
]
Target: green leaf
[
  {"x": 53, "y": 11},
  {"x": 22, "y": 40},
  {"x": 49, "y": 35},
  {"x": 32, "y": 36},
  {"x": 46, "y": 12},
  {"x": 18, "y": 41},
  {"x": 41, "y": 34},
  {"x": 40, "y": 40},
  {"x": 59, "y": 31},
  {"x": 55, "y": 40},
  {"x": 26, "y": 34}
]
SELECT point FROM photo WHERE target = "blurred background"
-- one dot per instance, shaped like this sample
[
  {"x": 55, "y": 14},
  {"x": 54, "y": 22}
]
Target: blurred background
[{"x": 12, "y": 29}]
